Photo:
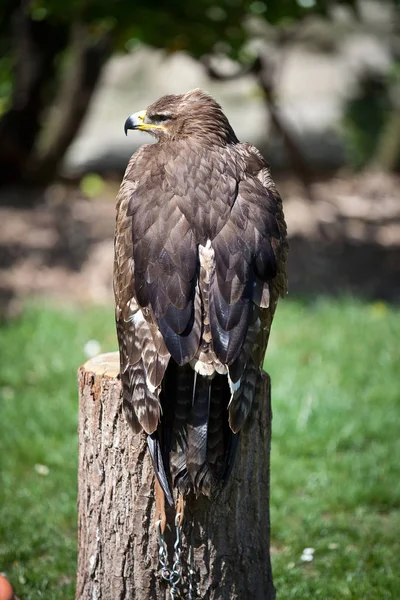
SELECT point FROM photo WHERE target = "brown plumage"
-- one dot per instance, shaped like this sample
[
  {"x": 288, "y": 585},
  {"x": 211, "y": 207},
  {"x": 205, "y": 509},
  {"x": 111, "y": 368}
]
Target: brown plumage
[{"x": 200, "y": 255}]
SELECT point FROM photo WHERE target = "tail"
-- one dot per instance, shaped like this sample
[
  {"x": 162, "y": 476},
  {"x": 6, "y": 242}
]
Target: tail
[
  {"x": 193, "y": 449},
  {"x": 197, "y": 435},
  {"x": 203, "y": 445},
  {"x": 222, "y": 442}
]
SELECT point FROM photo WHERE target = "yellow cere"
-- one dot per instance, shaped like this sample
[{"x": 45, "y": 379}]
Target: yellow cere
[{"x": 143, "y": 126}]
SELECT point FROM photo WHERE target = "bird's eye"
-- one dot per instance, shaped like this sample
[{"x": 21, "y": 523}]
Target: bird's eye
[{"x": 160, "y": 118}]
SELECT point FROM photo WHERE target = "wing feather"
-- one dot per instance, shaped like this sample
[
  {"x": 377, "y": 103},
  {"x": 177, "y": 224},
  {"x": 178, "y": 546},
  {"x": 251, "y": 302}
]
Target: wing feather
[
  {"x": 200, "y": 255},
  {"x": 143, "y": 353}
]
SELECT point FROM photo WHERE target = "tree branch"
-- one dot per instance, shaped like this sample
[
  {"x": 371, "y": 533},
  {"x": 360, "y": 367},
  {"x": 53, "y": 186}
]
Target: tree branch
[
  {"x": 264, "y": 74},
  {"x": 36, "y": 44},
  {"x": 86, "y": 64}
]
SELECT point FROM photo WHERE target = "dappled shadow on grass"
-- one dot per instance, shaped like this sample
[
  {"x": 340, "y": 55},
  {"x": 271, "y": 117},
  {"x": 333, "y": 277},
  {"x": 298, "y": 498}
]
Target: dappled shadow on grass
[
  {"x": 346, "y": 241},
  {"x": 59, "y": 248},
  {"x": 52, "y": 232},
  {"x": 367, "y": 270}
]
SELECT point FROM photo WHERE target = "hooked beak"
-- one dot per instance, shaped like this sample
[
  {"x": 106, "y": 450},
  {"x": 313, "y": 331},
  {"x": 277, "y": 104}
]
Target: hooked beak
[
  {"x": 140, "y": 121},
  {"x": 135, "y": 121}
]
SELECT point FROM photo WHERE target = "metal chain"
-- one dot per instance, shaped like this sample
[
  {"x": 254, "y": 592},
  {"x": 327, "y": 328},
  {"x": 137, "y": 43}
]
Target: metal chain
[
  {"x": 172, "y": 576},
  {"x": 192, "y": 590},
  {"x": 176, "y": 573},
  {"x": 162, "y": 553}
]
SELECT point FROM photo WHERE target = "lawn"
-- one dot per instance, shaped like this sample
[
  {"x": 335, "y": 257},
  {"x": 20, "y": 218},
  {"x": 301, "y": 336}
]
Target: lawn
[
  {"x": 335, "y": 482},
  {"x": 335, "y": 452}
]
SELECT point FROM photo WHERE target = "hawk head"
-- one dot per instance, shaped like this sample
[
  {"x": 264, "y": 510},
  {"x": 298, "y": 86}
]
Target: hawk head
[{"x": 181, "y": 116}]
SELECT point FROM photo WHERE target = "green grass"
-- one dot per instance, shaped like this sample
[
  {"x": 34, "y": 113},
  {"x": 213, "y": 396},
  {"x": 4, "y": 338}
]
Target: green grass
[
  {"x": 335, "y": 452},
  {"x": 335, "y": 482},
  {"x": 40, "y": 354}
]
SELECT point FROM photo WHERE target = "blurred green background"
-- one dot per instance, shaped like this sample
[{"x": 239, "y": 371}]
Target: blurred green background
[{"x": 316, "y": 86}]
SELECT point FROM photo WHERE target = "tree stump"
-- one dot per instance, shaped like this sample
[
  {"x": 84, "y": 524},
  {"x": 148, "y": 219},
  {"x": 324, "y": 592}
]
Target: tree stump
[{"x": 118, "y": 544}]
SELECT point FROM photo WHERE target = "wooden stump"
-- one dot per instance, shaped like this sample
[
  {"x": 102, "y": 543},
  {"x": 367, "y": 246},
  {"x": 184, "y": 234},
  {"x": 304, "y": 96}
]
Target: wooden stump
[{"x": 118, "y": 546}]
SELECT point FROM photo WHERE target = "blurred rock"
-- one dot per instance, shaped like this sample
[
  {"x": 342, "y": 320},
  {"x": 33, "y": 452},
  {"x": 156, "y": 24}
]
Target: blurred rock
[{"x": 312, "y": 89}]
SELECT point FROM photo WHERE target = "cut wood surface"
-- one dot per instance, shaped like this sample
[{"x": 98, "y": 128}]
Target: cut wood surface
[{"x": 118, "y": 544}]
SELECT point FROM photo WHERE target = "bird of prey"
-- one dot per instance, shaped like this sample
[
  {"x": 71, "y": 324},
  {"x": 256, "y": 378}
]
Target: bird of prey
[{"x": 200, "y": 257}]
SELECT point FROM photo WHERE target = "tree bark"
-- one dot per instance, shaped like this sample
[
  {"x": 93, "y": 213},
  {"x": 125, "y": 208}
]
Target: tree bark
[{"x": 118, "y": 546}]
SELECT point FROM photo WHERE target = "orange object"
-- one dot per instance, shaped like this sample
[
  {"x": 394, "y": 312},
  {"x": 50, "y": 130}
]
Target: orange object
[{"x": 6, "y": 591}]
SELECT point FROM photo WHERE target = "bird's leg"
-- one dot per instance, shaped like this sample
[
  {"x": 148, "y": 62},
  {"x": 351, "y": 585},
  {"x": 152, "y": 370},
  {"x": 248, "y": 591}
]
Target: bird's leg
[
  {"x": 160, "y": 524},
  {"x": 160, "y": 516}
]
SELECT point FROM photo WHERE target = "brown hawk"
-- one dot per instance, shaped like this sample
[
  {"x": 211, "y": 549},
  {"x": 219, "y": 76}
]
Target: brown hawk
[{"x": 200, "y": 255}]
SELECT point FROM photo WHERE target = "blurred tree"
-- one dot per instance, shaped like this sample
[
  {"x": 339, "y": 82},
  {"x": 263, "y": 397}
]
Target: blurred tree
[
  {"x": 371, "y": 122},
  {"x": 56, "y": 51},
  {"x": 386, "y": 154},
  {"x": 364, "y": 118},
  {"x": 53, "y": 53}
]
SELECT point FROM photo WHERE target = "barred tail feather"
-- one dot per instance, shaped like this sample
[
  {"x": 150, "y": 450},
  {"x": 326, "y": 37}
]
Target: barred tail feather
[
  {"x": 242, "y": 398},
  {"x": 157, "y": 458},
  {"x": 221, "y": 442},
  {"x": 197, "y": 432}
]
